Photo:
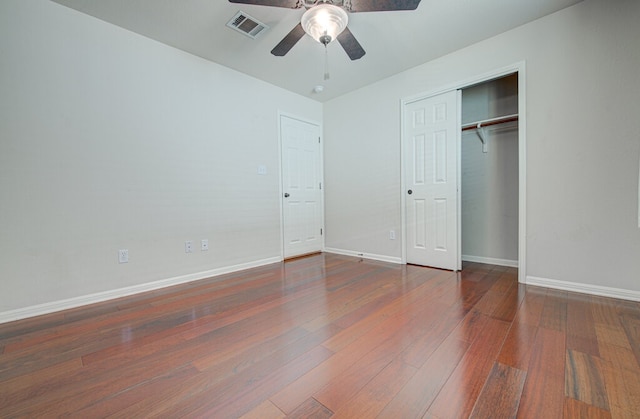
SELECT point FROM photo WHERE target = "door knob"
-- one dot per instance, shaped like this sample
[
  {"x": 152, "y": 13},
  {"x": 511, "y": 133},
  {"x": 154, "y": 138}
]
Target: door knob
[
  {"x": 286, "y": 194},
  {"x": 409, "y": 191}
]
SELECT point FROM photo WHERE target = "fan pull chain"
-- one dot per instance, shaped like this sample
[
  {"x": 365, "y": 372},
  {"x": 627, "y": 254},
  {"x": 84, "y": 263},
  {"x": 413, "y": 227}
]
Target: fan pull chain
[{"x": 326, "y": 63}]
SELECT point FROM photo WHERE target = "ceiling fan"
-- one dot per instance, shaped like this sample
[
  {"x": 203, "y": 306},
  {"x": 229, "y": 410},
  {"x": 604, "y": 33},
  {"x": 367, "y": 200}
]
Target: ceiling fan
[{"x": 326, "y": 20}]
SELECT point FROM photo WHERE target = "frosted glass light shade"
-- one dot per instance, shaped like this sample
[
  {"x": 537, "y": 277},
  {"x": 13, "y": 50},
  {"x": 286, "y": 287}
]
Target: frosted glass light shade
[{"x": 324, "y": 20}]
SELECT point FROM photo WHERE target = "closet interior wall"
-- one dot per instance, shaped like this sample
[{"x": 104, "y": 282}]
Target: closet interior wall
[{"x": 489, "y": 195}]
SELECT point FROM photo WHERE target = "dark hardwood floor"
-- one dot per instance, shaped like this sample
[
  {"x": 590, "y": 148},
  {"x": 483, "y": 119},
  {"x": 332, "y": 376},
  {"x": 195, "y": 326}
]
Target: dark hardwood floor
[{"x": 330, "y": 336}]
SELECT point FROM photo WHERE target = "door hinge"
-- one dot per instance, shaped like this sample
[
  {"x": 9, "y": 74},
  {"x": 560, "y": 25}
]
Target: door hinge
[
  {"x": 320, "y": 185},
  {"x": 318, "y": 140},
  {"x": 321, "y": 232}
]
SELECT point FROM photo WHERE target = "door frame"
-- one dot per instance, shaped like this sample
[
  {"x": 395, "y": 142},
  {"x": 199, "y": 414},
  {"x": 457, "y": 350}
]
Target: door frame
[
  {"x": 518, "y": 68},
  {"x": 281, "y": 179}
]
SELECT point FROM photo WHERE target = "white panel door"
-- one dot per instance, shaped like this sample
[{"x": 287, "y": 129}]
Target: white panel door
[
  {"x": 301, "y": 200},
  {"x": 431, "y": 128}
]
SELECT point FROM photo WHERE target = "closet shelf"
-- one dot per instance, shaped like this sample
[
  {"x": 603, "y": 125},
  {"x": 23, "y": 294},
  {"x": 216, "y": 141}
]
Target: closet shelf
[{"x": 489, "y": 122}]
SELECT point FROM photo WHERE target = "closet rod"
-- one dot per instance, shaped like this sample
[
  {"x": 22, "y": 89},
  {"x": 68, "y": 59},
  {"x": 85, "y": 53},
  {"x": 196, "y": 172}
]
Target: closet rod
[{"x": 492, "y": 121}]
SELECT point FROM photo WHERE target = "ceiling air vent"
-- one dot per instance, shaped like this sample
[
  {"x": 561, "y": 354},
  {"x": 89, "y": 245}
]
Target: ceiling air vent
[{"x": 247, "y": 25}]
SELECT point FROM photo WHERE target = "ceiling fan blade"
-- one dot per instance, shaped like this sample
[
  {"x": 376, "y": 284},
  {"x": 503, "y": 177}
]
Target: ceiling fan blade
[
  {"x": 288, "y": 41},
  {"x": 289, "y": 4},
  {"x": 351, "y": 45},
  {"x": 382, "y": 5}
]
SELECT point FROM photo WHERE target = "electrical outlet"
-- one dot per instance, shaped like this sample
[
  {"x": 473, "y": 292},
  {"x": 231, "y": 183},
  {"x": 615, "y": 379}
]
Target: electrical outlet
[
  {"x": 123, "y": 256},
  {"x": 204, "y": 245},
  {"x": 188, "y": 246},
  {"x": 392, "y": 235}
]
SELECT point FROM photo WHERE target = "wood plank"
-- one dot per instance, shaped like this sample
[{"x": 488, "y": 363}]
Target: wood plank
[
  {"x": 530, "y": 310},
  {"x": 554, "y": 312},
  {"x": 249, "y": 358},
  {"x": 18, "y": 329},
  {"x": 471, "y": 327},
  {"x": 621, "y": 375},
  {"x": 418, "y": 394},
  {"x": 375, "y": 349},
  {"x": 265, "y": 410},
  {"x": 518, "y": 346},
  {"x": 581, "y": 332},
  {"x": 296, "y": 393},
  {"x": 459, "y": 394},
  {"x": 26, "y": 386},
  {"x": 393, "y": 339},
  {"x": 611, "y": 335},
  {"x": 354, "y": 295},
  {"x": 576, "y": 409},
  {"x": 508, "y": 307},
  {"x": 311, "y": 408},
  {"x": 141, "y": 315},
  {"x": 543, "y": 393},
  {"x": 489, "y": 302},
  {"x": 621, "y": 358},
  {"x": 377, "y": 393},
  {"x": 631, "y": 325},
  {"x": 430, "y": 291},
  {"x": 64, "y": 400},
  {"x": 500, "y": 396},
  {"x": 422, "y": 347},
  {"x": 414, "y": 279},
  {"x": 473, "y": 292},
  {"x": 204, "y": 392},
  {"x": 252, "y": 394},
  {"x": 584, "y": 380},
  {"x": 605, "y": 311},
  {"x": 120, "y": 400}
]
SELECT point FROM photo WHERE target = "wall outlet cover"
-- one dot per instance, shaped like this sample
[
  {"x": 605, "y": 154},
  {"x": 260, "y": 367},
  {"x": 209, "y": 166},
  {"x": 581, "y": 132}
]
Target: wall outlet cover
[
  {"x": 204, "y": 245},
  {"x": 123, "y": 256}
]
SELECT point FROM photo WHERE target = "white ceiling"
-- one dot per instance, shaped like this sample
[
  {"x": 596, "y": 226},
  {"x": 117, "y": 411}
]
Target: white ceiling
[{"x": 394, "y": 41}]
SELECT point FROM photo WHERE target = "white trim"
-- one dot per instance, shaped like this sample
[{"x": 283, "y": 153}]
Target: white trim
[
  {"x": 522, "y": 173},
  {"x": 520, "y": 69},
  {"x": 74, "y": 302},
  {"x": 490, "y": 75},
  {"x": 490, "y": 261},
  {"x": 373, "y": 256},
  {"x": 403, "y": 187},
  {"x": 584, "y": 288},
  {"x": 459, "y": 180}
]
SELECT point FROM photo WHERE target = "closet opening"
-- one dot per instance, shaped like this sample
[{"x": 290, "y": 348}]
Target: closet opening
[{"x": 489, "y": 173}]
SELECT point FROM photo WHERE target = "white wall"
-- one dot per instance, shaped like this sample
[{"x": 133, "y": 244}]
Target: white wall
[
  {"x": 489, "y": 180},
  {"x": 583, "y": 142},
  {"x": 109, "y": 140}
]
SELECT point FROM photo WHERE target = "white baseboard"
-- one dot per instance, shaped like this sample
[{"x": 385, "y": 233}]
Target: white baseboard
[
  {"x": 584, "y": 288},
  {"x": 490, "y": 261},
  {"x": 74, "y": 302},
  {"x": 373, "y": 256}
]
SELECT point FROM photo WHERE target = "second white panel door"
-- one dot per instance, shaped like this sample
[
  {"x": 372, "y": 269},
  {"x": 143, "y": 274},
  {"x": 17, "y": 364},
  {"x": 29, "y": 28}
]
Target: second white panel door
[{"x": 302, "y": 203}]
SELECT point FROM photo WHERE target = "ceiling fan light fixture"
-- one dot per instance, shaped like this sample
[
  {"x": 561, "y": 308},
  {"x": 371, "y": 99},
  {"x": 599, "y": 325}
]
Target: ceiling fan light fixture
[{"x": 324, "y": 22}]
